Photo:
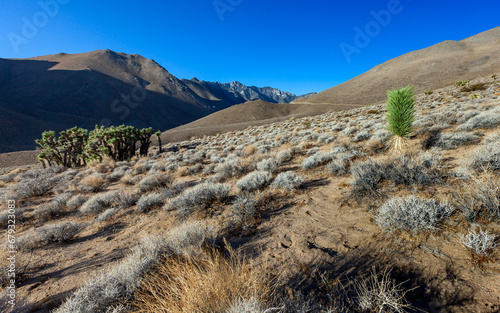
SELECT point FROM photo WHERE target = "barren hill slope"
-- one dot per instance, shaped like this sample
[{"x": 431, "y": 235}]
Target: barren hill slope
[
  {"x": 427, "y": 69},
  {"x": 252, "y": 113}
]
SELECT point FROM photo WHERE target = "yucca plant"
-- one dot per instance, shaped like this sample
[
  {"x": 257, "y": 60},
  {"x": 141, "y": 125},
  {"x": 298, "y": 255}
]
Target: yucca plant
[
  {"x": 400, "y": 115},
  {"x": 158, "y": 134}
]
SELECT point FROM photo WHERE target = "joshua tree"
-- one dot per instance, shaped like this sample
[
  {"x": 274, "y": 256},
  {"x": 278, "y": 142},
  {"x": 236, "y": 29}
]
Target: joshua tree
[
  {"x": 77, "y": 146},
  {"x": 67, "y": 150},
  {"x": 158, "y": 134},
  {"x": 400, "y": 115}
]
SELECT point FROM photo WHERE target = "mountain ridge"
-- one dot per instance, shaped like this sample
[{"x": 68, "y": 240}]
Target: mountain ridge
[
  {"x": 104, "y": 87},
  {"x": 246, "y": 93}
]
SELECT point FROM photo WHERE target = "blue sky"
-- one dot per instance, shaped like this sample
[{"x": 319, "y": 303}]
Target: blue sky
[{"x": 296, "y": 46}]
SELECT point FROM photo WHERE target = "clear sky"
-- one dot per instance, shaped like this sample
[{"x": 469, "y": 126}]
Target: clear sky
[{"x": 297, "y": 46}]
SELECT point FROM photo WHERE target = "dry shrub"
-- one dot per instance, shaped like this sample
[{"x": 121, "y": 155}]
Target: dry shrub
[
  {"x": 104, "y": 166},
  {"x": 209, "y": 282},
  {"x": 128, "y": 179},
  {"x": 480, "y": 246},
  {"x": 92, "y": 183},
  {"x": 22, "y": 262},
  {"x": 380, "y": 293},
  {"x": 182, "y": 171},
  {"x": 479, "y": 198},
  {"x": 251, "y": 149}
]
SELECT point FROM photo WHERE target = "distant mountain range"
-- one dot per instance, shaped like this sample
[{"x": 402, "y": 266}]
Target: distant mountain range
[
  {"x": 104, "y": 87},
  {"x": 238, "y": 93}
]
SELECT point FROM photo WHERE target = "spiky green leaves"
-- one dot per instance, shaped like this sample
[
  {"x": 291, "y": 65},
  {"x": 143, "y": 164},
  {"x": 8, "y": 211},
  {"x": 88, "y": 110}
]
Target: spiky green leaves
[
  {"x": 76, "y": 146},
  {"x": 400, "y": 110}
]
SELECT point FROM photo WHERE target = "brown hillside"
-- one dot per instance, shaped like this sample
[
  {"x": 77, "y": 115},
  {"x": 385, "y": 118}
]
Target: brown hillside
[
  {"x": 437, "y": 66},
  {"x": 252, "y": 113}
]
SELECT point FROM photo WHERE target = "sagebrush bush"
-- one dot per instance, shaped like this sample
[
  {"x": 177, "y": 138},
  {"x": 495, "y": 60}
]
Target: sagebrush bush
[
  {"x": 422, "y": 170},
  {"x": 285, "y": 155},
  {"x": 8, "y": 178},
  {"x": 106, "y": 215},
  {"x": 269, "y": 165},
  {"x": 117, "y": 174},
  {"x": 244, "y": 211},
  {"x": 98, "y": 203},
  {"x": 60, "y": 232},
  {"x": 479, "y": 199},
  {"x": 130, "y": 179},
  {"x": 230, "y": 168},
  {"x": 349, "y": 131},
  {"x": 199, "y": 197},
  {"x": 485, "y": 157},
  {"x": 254, "y": 181},
  {"x": 412, "y": 214},
  {"x": 147, "y": 202},
  {"x": 288, "y": 180},
  {"x": 337, "y": 168},
  {"x": 34, "y": 185},
  {"x": 76, "y": 201},
  {"x": 320, "y": 158},
  {"x": 364, "y": 135},
  {"x": 312, "y": 151},
  {"x": 155, "y": 181},
  {"x": 4, "y": 217},
  {"x": 483, "y": 120},
  {"x": 454, "y": 140},
  {"x": 479, "y": 243},
  {"x": 126, "y": 198},
  {"x": 49, "y": 210}
]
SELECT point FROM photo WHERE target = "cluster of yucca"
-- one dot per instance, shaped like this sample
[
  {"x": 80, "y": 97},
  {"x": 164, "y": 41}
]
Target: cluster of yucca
[{"x": 76, "y": 146}]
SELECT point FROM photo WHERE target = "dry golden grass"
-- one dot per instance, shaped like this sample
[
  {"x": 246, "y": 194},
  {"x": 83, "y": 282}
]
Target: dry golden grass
[
  {"x": 93, "y": 183},
  {"x": 106, "y": 165},
  {"x": 375, "y": 146},
  {"x": 182, "y": 171},
  {"x": 251, "y": 149},
  {"x": 127, "y": 179},
  {"x": 209, "y": 282}
]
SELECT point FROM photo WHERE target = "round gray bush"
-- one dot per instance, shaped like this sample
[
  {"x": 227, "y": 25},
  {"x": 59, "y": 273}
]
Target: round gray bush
[
  {"x": 254, "y": 181},
  {"x": 412, "y": 214},
  {"x": 287, "y": 180}
]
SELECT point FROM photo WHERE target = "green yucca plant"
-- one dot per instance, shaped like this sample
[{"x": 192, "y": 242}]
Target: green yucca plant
[{"x": 400, "y": 115}]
